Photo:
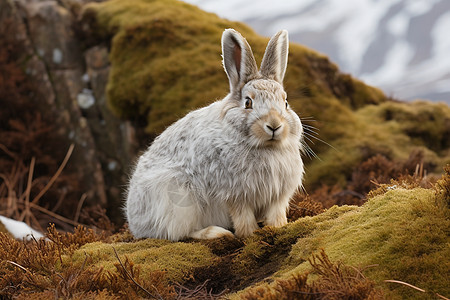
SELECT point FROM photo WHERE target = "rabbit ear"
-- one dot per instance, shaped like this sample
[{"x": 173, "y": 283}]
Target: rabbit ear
[
  {"x": 238, "y": 60},
  {"x": 275, "y": 58}
]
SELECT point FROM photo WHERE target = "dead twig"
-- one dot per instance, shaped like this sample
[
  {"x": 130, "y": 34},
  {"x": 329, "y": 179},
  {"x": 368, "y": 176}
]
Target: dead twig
[
  {"x": 27, "y": 212},
  {"x": 17, "y": 265},
  {"x": 56, "y": 175},
  {"x": 131, "y": 277},
  {"x": 414, "y": 287},
  {"x": 80, "y": 205},
  {"x": 54, "y": 215},
  {"x": 60, "y": 200},
  {"x": 407, "y": 284},
  {"x": 8, "y": 152}
]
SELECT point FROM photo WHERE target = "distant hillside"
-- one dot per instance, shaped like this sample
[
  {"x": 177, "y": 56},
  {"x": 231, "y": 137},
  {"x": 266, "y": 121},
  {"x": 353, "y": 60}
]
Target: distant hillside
[{"x": 400, "y": 46}]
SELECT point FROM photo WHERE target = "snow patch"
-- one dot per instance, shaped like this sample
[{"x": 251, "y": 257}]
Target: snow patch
[
  {"x": 398, "y": 25},
  {"x": 20, "y": 230},
  {"x": 442, "y": 86},
  {"x": 419, "y": 7},
  {"x": 394, "y": 65},
  {"x": 441, "y": 46}
]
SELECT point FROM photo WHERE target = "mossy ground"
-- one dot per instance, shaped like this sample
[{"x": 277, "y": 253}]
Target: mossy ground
[
  {"x": 177, "y": 259},
  {"x": 401, "y": 233}
]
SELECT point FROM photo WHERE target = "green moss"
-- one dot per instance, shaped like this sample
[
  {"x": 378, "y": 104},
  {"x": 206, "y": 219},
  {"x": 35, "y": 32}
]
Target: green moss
[
  {"x": 403, "y": 232},
  {"x": 400, "y": 235},
  {"x": 178, "y": 259},
  {"x": 424, "y": 123},
  {"x": 393, "y": 129},
  {"x": 273, "y": 244}
]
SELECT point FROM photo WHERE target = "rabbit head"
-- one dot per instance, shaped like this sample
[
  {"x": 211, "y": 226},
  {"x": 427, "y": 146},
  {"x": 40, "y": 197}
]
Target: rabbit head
[{"x": 257, "y": 104}]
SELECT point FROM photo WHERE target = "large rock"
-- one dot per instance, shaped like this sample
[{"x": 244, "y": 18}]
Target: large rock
[
  {"x": 50, "y": 27},
  {"x": 115, "y": 140},
  {"x": 57, "y": 67},
  {"x": 70, "y": 90}
]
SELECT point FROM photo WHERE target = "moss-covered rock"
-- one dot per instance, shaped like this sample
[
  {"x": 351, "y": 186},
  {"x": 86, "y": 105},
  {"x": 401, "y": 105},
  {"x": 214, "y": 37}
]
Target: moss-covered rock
[
  {"x": 403, "y": 232},
  {"x": 399, "y": 235},
  {"x": 165, "y": 58},
  {"x": 392, "y": 129}
]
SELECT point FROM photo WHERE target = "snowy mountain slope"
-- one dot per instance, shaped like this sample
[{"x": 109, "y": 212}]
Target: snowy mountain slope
[{"x": 401, "y": 46}]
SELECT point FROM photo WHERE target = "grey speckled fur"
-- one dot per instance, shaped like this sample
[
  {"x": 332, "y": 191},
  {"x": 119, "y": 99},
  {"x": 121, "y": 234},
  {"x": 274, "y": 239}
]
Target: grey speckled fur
[{"x": 227, "y": 165}]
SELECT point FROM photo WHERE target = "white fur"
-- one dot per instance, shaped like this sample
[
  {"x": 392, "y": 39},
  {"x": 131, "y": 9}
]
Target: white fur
[{"x": 219, "y": 167}]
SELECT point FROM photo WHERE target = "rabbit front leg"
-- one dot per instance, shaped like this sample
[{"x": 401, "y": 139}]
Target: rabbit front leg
[
  {"x": 244, "y": 220},
  {"x": 276, "y": 213}
]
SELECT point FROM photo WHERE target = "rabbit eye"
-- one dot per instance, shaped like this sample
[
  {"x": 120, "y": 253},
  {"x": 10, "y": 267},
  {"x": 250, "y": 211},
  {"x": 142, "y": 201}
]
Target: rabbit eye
[
  {"x": 287, "y": 105},
  {"x": 248, "y": 103}
]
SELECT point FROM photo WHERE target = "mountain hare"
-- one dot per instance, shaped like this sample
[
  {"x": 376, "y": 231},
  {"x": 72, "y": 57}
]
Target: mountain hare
[{"x": 228, "y": 165}]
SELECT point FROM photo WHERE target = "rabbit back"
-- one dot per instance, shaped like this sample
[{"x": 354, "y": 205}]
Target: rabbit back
[{"x": 162, "y": 198}]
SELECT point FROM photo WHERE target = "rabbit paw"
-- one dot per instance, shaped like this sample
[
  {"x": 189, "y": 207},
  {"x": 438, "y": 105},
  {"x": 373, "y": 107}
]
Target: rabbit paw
[
  {"x": 276, "y": 217},
  {"x": 211, "y": 232},
  {"x": 244, "y": 230}
]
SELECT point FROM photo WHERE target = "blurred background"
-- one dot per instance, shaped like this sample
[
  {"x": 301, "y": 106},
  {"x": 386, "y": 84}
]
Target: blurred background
[{"x": 401, "y": 46}]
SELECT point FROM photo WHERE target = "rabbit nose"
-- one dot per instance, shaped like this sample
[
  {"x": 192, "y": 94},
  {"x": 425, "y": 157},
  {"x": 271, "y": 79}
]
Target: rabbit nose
[{"x": 273, "y": 128}]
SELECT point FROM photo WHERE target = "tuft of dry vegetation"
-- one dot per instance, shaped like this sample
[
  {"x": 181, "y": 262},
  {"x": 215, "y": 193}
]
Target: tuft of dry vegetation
[
  {"x": 303, "y": 205},
  {"x": 442, "y": 188},
  {"x": 43, "y": 268},
  {"x": 333, "y": 281}
]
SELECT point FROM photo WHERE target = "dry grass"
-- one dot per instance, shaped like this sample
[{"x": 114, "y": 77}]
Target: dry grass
[
  {"x": 303, "y": 205},
  {"x": 43, "y": 268},
  {"x": 333, "y": 281}
]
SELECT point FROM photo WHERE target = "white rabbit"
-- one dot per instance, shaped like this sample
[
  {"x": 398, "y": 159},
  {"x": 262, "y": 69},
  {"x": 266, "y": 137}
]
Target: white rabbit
[{"x": 228, "y": 165}]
